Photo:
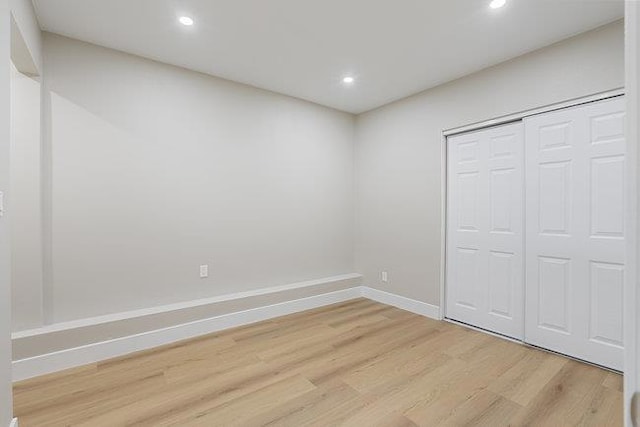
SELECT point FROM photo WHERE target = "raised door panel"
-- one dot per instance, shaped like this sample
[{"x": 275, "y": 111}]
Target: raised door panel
[
  {"x": 468, "y": 187},
  {"x": 468, "y": 152},
  {"x": 556, "y": 134},
  {"x": 554, "y": 294},
  {"x": 503, "y": 185},
  {"x": 607, "y": 128},
  {"x": 606, "y": 303},
  {"x": 607, "y": 197},
  {"x": 503, "y": 278},
  {"x": 554, "y": 198},
  {"x": 467, "y": 293}
]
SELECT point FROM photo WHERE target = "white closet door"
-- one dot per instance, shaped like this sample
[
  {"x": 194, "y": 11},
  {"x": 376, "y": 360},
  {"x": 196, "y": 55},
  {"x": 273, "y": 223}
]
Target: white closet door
[
  {"x": 575, "y": 162},
  {"x": 485, "y": 280}
]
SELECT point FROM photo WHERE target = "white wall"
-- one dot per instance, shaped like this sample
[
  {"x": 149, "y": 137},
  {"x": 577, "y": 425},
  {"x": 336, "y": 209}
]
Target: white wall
[
  {"x": 156, "y": 170},
  {"x": 398, "y": 151},
  {"x": 26, "y": 224},
  {"x": 632, "y": 288},
  {"x": 5, "y": 267}
]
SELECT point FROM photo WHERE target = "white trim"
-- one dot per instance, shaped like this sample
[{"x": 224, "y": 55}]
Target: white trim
[
  {"x": 545, "y": 109},
  {"x": 127, "y": 315},
  {"x": 70, "y": 358},
  {"x": 14, "y": 423},
  {"x": 443, "y": 228},
  {"x": 408, "y": 304},
  {"x": 632, "y": 223}
]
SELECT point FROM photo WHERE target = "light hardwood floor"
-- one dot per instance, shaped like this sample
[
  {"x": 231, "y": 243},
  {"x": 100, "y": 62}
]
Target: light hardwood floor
[{"x": 358, "y": 363}]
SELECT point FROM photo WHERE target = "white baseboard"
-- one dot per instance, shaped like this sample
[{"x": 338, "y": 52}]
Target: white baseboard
[
  {"x": 73, "y": 357},
  {"x": 74, "y": 325},
  {"x": 78, "y": 356},
  {"x": 14, "y": 423},
  {"x": 408, "y": 304}
]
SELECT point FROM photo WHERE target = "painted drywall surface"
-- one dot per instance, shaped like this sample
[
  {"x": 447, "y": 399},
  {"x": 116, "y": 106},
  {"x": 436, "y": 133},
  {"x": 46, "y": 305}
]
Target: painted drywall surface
[
  {"x": 27, "y": 44},
  {"x": 156, "y": 170},
  {"x": 26, "y": 226},
  {"x": 5, "y": 264},
  {"x": 398, "y": 151}
]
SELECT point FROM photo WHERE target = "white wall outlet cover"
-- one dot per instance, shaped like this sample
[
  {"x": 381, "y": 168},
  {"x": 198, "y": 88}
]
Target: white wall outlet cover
[
  {"x": 384, "y": 276},
  {"x": 204, "y": 271}
]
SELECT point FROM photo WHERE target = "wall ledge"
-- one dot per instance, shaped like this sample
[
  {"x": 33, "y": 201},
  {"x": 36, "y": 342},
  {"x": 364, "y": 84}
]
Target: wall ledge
[
  {"x": 83, "y": 332},
  {"x": 91, "y": 353},
  {"x": 128, "y": 315}
]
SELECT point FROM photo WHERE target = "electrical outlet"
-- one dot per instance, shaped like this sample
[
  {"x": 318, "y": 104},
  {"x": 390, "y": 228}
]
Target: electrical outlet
[
  {"x": 204, "y": 271},
  {"x": 384, "y": 277}
]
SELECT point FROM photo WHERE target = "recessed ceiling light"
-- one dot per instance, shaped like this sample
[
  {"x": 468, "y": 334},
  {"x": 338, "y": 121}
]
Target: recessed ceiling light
[
  {"x": 185, "y": 20},
  {"x": 496, "y": 4},
  {"x": 348, "y": 80}
]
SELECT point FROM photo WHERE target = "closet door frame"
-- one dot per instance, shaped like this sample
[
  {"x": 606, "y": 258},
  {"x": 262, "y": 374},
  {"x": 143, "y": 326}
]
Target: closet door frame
[{"x": 488, "y": 124}]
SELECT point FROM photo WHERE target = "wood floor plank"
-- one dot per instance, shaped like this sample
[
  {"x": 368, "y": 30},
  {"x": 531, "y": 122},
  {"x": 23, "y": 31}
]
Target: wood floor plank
[
  {"x": 463, "y": 385},
  {"x": 240, "y": 411},
  {"x": 325, "y": 405},
  {"x": 182, "y": 400},
  {"x": 613, "y": 381},
  {"x": 484, "y": 409},
  {"x": 408, "y": 392},
  {"x": 524, "y": 381},
  {"x": 556, "y": 403},
  {"x": 407, "y": 360},
  {"x": 358, "y": 363}
]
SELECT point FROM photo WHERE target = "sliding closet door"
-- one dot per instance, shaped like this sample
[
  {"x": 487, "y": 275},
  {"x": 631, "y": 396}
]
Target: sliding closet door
[
  {"x": 484, "y": 229},
  {"x": 575, "y": 162}
]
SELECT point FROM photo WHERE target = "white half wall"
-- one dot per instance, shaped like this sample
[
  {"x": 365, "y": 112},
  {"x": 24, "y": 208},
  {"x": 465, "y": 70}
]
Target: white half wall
[
  {"x": 78, "y": 333},
  {"x": 399, "y": 155},
  {"x": 40, "y": 352},
  {"x": 230, "y": 311}
]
